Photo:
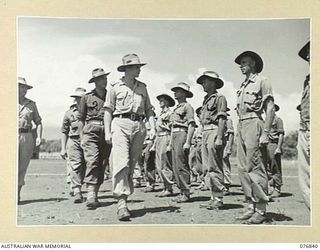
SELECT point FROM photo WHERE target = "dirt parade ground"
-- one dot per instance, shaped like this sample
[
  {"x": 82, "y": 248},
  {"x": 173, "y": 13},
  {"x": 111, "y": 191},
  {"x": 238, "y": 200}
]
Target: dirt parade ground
[{"x": 46, "y": 201}]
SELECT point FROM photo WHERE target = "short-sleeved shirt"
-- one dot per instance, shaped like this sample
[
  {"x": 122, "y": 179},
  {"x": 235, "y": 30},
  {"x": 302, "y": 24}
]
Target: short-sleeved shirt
[
  {"x": 182, "y": 115},
  {"x": 305, "y": 105},
  {"x": 276, "y": 128},
  {"x": 163, "y": 121},
  {"x": 252, "y": 95},
  {"x": 70, "y": 123},
  {"x": 91, "y": 106},
  {"x": 122, "y": 99},
  {"x": 214, "y": 107},
  {"x": 229, "y": 127},
  {"x": 28, "y": 112}
]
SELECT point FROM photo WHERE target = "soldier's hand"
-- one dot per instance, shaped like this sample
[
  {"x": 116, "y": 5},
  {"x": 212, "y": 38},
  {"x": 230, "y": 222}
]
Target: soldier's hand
[
  {"x": 38, "y": 141},
  {"x": 264, "y": 139},
  {"x": 218, "y": 143},
  {"x": 152, "y": 133},
  {"x": 63, "y": 154},
  {"x": 108, "y": 138},
  {"x": 278, "y": 151}
]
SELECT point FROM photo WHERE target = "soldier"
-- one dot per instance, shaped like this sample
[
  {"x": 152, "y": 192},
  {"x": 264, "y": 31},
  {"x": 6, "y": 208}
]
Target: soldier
[
  {"x": 96, "y": 151},
  {"x": 71, "y": 145},
  {"x": 304, "y": 133},
  {"x": 254, "y": 97},
  {"x": 229, "y": 136},
  {"x": 129, "y": 103},
  {"x": 183, "y": 126},
  {"x": 274, "y": 148},
  {"x": 28, "y": 113},
  {"x": 163, "y": 156},
  {"x": 213, "y": 117}
]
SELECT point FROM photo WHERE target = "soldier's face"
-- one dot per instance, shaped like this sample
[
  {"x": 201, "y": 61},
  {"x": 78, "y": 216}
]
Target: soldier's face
[
  {"x": 163, "y": 103},
  {"x": 77, "y": 100},
  {"x": 247, "y": 65},
  {"x": 133, "y": 70},
  {"x": 22, "y": 90},
  {"x": 179, "y": 93},
  {"x": 208, "y": 85},
  {"x": 101, "y": 82}
]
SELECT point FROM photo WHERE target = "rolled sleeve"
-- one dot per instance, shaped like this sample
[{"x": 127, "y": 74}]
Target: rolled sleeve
[
  {"x": 189, "y": 114},
  {"x": 36, "y": 116},
  {"x": 149, "y": 108},
  {"x": 65, "y": 124},
  {"x": 110, "y": 102},
  {"x": 222, "y": 107},
  {"x": 280, "y": 127},
  {"x": 266, "y": 90}
]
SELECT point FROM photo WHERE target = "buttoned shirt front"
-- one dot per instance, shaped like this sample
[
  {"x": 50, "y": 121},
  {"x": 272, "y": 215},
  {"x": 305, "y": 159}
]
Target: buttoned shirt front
[
  {"x": 252, "y": 95},
  {"x": 91, "y": 106},
  {"x": 122, "y": 99},
  {"x": 28, "y": 112},
  {"x": 214, "y": 107},
  {"x": 305, "y": 104},
  {"x": 163, "y": 121},
  {"x": 276, "y": 128},
  {"x": 182, "y": 115},
  {"x": 70, "y": 123}
]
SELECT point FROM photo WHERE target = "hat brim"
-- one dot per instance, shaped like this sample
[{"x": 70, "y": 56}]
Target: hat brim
[
  {"x": 189, "y": 93},
  {"x": 253, "y": 55},
  {"x": 198, "y": 110},
  {"x": 76, "y": 96},
  {"x": 167, "y": 97},
  {"x": 304, "y": 51},
  {"x": 276, "y": 107},
  {"x": 218, "y": 81},
  {"x": 93, "y": 78},
  {"x": 122, "y": 68},
  {"x": 26, "y": 85}
]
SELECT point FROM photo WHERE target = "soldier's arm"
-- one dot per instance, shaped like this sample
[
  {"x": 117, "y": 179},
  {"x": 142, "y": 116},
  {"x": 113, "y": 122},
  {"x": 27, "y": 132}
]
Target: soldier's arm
[
  {"x": 64, "y": 135},
  {"x": 269, "y": 110},
  {"x": 39, "y": 134},
  {"x": 82, "y": 115},
  {"x": 281, "y": 135},
  {"x": 107, "y": 125}
]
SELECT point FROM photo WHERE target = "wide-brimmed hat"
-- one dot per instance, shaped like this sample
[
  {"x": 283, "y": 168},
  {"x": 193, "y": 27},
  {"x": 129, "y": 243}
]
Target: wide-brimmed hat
[
  {"x": 254, "y": 56},
  {"x": 184, "y": 86},
  {"x": 276, "y": 107},
  {"x": 303, "y": 53},
  {"x": 167, "y": 97},
  {"x": 298, "y": 107},
  {"x": 97, "y": 73},
  {"x": 128, "y": 60},
  {"x": 78, "y": 92},
  {"x": 22, "y": 81},
  {"x": 211, "y": 75}
]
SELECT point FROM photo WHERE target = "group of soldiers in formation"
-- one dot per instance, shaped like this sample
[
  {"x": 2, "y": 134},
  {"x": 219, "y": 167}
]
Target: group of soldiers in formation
[{"x": 117, "y": 130}]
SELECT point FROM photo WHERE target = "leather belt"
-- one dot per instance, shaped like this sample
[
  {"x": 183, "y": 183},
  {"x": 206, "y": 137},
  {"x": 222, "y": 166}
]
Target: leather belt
[
  {"x": 24, "y": 130},
  {"x": 249, "y": 116},
  {"x": 163, "y": 133},
  {"x": 131, "y": 116},
  {"x": 179, "y": 129},
  {"x": 209, "y": 127},
  {"x": 96, "y": 122}
]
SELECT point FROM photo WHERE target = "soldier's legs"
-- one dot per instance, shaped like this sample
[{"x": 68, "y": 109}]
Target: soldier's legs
[
  {"x": 76, "y": 162},
  {"x": 274, "y": 167},
  {"x": 304, "y": 165},
  {"x": 227, "y": 172}
]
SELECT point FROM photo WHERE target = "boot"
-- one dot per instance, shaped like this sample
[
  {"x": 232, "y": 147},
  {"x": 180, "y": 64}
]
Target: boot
[
  {"x": 92, "y": 200},
  {"x": 77, "y": 195},
  {"x": 123, "y": 212}
]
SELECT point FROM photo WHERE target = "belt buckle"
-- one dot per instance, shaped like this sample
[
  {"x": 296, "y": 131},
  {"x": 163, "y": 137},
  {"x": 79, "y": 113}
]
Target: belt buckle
[{"x": 133, "y": 116}]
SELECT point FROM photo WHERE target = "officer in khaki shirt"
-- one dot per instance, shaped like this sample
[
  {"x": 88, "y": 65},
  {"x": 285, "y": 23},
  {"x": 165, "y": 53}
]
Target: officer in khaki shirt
[
  {"x": 183, "y": 125},
  {"x": 163, "y": 156},
  {"x": 213, "y": 117},
  {"x": 274, "y": 148},
  {"x": 28, "y": 114},
  {"x": 304, "y": 132},
  {"x": 96, "y": 151},
  {"x": 71, "y": 145},
  {"x": 127, "y": 104},
  {"x": 253, "y": 98}
]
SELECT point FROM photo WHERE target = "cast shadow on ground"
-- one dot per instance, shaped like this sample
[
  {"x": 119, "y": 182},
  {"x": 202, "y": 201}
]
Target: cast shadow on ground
[
  {"x": 24, "y": 202},
  {"x": 227, "y": 206},
  {"x": 141, "y": 212},
  {"x": 199, "y": 198},
  {"x": 277, "y": 217}
]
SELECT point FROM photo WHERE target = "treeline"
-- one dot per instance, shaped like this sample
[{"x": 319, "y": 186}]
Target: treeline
[{"x": 289, "y": 146}]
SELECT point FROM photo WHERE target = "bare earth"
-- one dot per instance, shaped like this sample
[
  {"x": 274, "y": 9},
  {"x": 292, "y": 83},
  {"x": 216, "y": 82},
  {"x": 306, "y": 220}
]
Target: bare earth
[{"x": 46, "y": 201}]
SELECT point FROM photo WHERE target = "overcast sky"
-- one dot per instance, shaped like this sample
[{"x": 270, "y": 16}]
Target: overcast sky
[{"x": 56, "y": 55}]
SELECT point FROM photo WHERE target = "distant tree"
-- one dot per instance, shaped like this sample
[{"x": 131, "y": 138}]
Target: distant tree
[
  {"x": 289, "y": 147},
  {"x": 50, "y": 146}
]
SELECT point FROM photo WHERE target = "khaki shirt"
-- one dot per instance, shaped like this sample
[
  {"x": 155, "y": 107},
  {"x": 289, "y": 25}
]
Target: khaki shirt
[
  {"x": 70, "y": 123},
  {"x": 252, "y": 95},
  {"x": 276, "y": 128},
  {"x": 163, "y": 121},
  {"x": 91, "y": 107},
  {"x": 182, "y": 115},
  {"x": 214, "y": 106},
  {"x": 121, "y": 99},
  {"x": 305, "y": 105},
  {"x": 28, "y": 112}
]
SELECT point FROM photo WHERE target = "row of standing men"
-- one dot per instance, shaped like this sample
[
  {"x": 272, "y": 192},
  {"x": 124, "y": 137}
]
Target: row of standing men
[{"x": 110, "y": 124}]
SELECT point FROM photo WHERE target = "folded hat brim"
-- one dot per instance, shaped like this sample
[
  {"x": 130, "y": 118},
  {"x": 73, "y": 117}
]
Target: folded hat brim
[
  {"x": 26, "y": 85},
  {"x": 75, "y": 95},
  {"x": 304, "y": 51},
  {"x": 167, "y": 97},
  {"x": 253, "y": 55},
  {"x": 93, "y": 78},
  {"x": 121, "y": 68},
  {"x": 276, "y": 107},
  {"x": 218, "y": 81},
  {"x": 189, "y": 93}
]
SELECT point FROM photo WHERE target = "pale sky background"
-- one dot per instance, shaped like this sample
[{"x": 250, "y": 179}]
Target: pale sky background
[{"x": 56, "y": 55}]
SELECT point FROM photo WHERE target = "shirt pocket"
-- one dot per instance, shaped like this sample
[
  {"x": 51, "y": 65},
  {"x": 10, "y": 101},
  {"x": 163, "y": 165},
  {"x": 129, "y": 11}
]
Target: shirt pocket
[{"x": 92, "y": 107}]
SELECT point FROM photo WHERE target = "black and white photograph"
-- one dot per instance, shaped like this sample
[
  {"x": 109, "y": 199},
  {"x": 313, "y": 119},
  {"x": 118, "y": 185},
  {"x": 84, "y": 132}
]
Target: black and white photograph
[{"x": 163, "y": 121}]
